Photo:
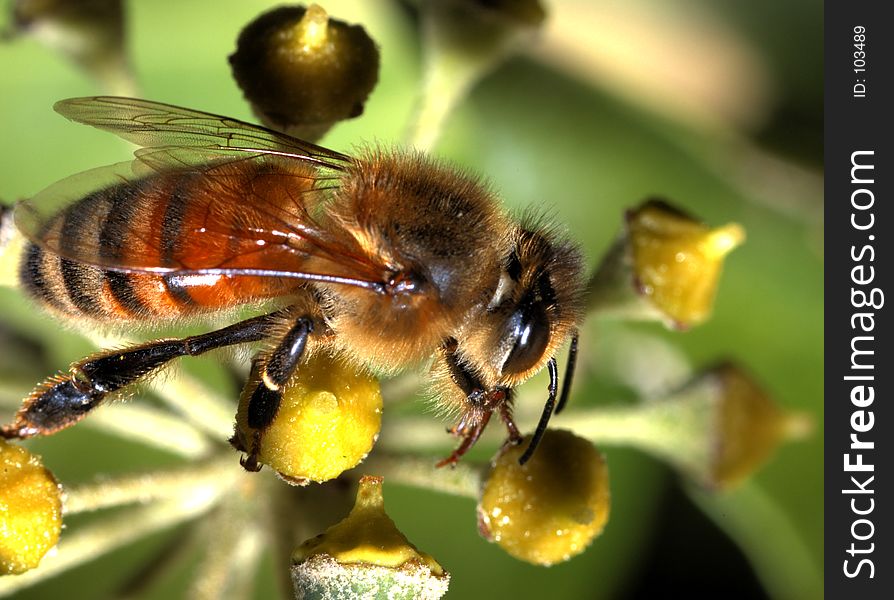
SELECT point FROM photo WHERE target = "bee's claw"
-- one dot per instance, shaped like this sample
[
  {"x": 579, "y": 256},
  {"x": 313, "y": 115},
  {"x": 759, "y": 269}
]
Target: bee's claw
[
  {"x": 250, "y": 461},
  {"x": 470, "y": 429},
  {"x": 450, "y": 460}
]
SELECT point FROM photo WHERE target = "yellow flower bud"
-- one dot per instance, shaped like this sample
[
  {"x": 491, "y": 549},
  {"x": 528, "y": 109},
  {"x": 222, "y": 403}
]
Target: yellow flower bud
[
  {"x": 302, "y": 72},
  {"x": 328, "y": 421},
  {"x": 677, "y": 260},
  {"x": 549, "y": 509},
  {"x": 365, "y": 555},
  {"x": 30, "y": 510}
]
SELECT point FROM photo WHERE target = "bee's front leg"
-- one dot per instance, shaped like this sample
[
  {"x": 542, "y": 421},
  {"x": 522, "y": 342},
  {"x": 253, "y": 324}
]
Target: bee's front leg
[
  {"x": 274, "y": 372},
  {"x": 66, "y": 398},
  {"x": 470, "y": 433},
  {"x": 478, "y": 407}
]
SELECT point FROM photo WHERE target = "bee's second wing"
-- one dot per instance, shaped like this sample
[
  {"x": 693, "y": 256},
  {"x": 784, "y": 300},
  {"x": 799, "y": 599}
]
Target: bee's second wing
[{"x": 154, "y": 124}]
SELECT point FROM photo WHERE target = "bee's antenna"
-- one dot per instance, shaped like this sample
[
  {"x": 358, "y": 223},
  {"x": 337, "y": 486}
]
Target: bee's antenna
[
  {"x": 569, "y": 373},
  {"x": 547, "y": 412}
]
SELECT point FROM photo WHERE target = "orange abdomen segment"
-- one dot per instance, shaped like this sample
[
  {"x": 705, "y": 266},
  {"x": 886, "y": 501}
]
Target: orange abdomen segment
[{"x": 188, "y": 221}]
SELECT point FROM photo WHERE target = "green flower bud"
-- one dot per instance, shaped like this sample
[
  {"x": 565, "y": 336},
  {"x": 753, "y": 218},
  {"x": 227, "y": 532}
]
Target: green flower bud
[
  {"x": 718, "y": 429},
  {"x": 749, "y": 427},
  {"x": 303, "y": 72},
  {"x": 527, "y": 13},
  {"x": 89, "y": 32}
]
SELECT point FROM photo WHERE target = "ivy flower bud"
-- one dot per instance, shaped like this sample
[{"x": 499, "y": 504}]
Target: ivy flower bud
[
  {"x": 302, "y": 72},
  {"x": 327, "y": 422},
  {"x": 30, "y": 510},
  {"x": 666, "y": 266},
  {"x": 677, "y": 260},
  {"x": 462, "y": 41},
  {"x": 749, "y": 427},
  {"x": 366, "y": 556},
  {"x": 89, "y": 32},
  {"x": 718, "y": 429},
  {"x": 549, "y": 509}
]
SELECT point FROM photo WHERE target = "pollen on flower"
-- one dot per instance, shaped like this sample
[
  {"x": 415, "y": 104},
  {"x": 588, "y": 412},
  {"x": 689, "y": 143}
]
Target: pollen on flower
[
  {"x": 365, "y": 554},
  {"x": 328, "y": 421},
  {"x": 677, "y": 260},
  {"x": 549, "y": 509},
  {"x": 30, "y": 510}
]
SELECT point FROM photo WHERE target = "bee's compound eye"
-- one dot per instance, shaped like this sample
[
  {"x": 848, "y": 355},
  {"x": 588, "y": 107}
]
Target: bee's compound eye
[{"x": 529, "y": 328}]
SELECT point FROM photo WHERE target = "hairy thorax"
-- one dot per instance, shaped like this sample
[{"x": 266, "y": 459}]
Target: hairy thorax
[{"x": 441, "y": 233}]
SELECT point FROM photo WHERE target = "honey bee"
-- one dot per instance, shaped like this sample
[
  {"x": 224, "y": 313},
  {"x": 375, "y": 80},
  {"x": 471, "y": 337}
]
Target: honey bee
[{"x": 389, "y": 258}]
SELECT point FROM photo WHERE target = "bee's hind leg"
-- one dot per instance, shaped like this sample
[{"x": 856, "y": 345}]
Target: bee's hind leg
[
  {"x": 274, "y": 371},
  {"x": 66, "y": 398}
]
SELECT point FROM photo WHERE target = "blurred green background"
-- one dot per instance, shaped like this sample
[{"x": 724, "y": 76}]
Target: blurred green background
[{"x": 716, "y": 106}]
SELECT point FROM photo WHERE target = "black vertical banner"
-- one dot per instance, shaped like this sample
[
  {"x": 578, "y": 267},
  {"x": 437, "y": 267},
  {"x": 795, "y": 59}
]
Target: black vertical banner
[{"x": 859, "y": 170}]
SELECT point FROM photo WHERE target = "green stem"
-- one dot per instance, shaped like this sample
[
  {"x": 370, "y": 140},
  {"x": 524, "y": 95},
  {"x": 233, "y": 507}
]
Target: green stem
[
  {"x": 675, "y": 429},
  {"x": 153, "y": 427},
  {"x": 459, "y": 49},
  {"x": 463, "y": 479},
  {"x": 207, "y": 410},
  {"x": 197, "y": 480},
  {"x": 232, "y": 556}
]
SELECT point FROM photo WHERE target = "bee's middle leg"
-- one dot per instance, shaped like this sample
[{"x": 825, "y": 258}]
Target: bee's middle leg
[{"x": 274, "y": 372}]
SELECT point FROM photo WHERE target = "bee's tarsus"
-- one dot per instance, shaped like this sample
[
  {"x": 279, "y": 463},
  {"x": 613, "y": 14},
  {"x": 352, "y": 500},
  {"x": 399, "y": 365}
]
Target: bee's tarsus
[
  {"x": 249, "y": 460},
  {"x": 55, "y": 404},
  {"x": 471, "y": 431},
  {"x": 515, "y": 437},
  {"x": 250, "y": 463}
]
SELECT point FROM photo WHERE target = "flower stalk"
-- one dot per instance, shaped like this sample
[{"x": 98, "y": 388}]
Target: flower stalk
[
  {"x": 462, "y": 43},
  {"x": 201, "y": 479}
]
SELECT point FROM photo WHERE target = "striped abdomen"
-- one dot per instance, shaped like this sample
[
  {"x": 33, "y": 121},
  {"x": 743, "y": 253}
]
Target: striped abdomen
[{"x": 180, "y": 220}]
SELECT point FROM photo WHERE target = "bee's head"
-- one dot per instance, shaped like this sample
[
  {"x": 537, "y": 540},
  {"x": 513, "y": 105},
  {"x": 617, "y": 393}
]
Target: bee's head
[
  {"x": 535, "y": 308},
  {"x": 537, "y": 305}
]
